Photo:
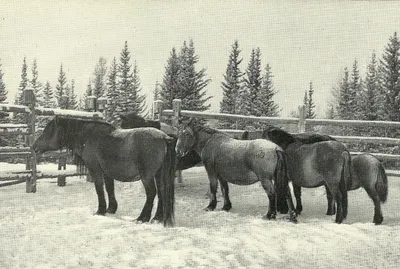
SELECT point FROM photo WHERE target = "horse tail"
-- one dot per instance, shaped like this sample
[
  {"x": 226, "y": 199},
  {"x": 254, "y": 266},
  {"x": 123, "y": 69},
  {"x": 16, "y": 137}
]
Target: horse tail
[
  {"x": 282, "y": 182},
  {"x": 167, "y": 184},
  {"x": 381, "y": 184},
  {"x": 346, "y": 175}
]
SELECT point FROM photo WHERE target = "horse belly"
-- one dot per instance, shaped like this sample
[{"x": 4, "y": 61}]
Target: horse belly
[
  {"x": 304, "y": 174},
  {"x": 123, "y": 172},
  {"x": 238, "y": 176}
]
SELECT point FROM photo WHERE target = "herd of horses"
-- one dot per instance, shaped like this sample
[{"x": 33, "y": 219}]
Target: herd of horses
[{"x": 152, "y": 152}]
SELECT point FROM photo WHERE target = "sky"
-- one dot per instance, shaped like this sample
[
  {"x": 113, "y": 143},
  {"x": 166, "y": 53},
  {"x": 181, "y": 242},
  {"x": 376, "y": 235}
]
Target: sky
[{"x": 302, "y": 41}]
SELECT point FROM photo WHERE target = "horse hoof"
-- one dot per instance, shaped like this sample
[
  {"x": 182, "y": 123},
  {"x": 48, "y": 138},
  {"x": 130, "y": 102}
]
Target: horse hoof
[
  {"x": 330, "y": 213},
  {"x": 226, "y": 208},
  {"x": 270, "y": 216},
  {"x": 156, "y": 221},
  {"x": 378, "y": 220},
  {"x": 338, "y": 221},
  {"x": 99, "y": 213},
  {"x": 111, "y": 211},
  {"x": 208, "y": 208}
]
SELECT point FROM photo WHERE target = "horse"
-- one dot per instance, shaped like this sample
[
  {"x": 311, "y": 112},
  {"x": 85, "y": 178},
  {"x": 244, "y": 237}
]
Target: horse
[
  {"x": 239, "y": 162},
  {"x": 132, "y": 120},
  {"x": 111, "y": 153},
  {"x": 314, "y": 163},
  {"x": 366, "y": 170}
]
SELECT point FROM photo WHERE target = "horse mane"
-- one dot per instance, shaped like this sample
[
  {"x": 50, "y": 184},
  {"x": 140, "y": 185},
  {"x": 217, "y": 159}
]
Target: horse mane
[
  {"x": 133, "y": 120},
  {"x": 307, "y": 138},
  {"x": 199, "y": 127},
  {"x": 77, "y": 130}
]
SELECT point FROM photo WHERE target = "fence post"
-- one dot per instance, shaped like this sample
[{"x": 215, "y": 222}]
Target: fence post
[
  {"x": 176, "y": 107},
  {"x": 29, "y": 98},
  {"x": 302, "y": 119},
  {"x": 158, "y": 110}
]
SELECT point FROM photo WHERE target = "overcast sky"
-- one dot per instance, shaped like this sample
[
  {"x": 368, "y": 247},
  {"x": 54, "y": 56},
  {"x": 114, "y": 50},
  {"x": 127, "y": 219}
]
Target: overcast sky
[{"x": 302, "y": 41}]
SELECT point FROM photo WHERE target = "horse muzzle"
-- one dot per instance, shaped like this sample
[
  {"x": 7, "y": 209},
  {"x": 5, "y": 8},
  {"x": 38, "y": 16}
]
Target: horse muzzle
[{"x": 180, "y": 153}]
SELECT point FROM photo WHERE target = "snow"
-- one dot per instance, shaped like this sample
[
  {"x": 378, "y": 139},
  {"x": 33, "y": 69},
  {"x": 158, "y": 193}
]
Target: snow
[
  {"x": 65, "y": 112},
  {"x": 56, "y": 228}
]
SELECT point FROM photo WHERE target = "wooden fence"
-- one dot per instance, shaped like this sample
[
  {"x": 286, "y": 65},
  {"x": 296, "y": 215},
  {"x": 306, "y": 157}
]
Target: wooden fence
[
  {"x": 301, "y": 123},
  {"x": 30, "y": 174}
]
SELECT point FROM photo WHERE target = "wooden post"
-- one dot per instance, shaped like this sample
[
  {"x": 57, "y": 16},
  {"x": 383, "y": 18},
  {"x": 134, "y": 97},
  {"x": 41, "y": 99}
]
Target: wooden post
[
  {"x": 29, "y": 98},
  {"x": 176, "y": 107},
  {"x": 302, "y": 119},
  {"x": 62, "y": 164},
  {"x": 158, "y": 110}
]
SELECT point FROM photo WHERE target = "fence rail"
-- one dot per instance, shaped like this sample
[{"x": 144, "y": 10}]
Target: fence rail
[{"x": 301, "y": 122}]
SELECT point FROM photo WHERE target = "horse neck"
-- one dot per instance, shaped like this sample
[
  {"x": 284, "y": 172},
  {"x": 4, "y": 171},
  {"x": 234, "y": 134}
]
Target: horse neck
[
  {"x": 203, "y": 137},
  {"x": 77, "y": 134}
]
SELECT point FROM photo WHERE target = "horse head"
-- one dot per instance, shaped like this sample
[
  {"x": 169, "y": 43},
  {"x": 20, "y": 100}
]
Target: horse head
[
  {"x": 51, "y": 137},
  {"x": 186, "y": 138}
]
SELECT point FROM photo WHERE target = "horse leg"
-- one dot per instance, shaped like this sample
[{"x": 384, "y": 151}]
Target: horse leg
[
  {"x": 213, "y": 189},
  {"x": 112, "y": 202},
  {"x": 337, "y": 195},
  {"x": 378, "y": 217},
  {"x": 158, "y": 217},
  {"x": 331, "y": 203},
  {"x": 150, "y": 188},
  {"x": 297, "y": 194},
  {"x": 270, "y": 190},
  {"x": 99, "y": 186},
  {"x": 225, "y": 192}
]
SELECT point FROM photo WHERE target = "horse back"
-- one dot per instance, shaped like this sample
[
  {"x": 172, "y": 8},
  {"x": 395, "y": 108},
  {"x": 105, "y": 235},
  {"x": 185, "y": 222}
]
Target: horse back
[
  {"x": 241, "y": 162},
  {"x": 127, "y": 153}
]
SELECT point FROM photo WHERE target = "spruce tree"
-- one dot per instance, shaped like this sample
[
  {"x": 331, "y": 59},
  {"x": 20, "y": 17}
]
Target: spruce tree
[
  {"x": 36, "y": 85},
  {"x": 231, "y": 85},
  {"x": 19, "y": 99},
  {"x": 344, "y": 104},
  {"x": 99, "y": 81},
  {"x": 310, "y": 107},
  {"x": 72, "y": 98},
  {"x": 355, "y": 92},
  {"x": 156, "y": 92},
  {"x": 267, "y": 105},
  {"x": 3, "y": 94},
  {"x": 137, "y": 101},
  {"x": 48, "y": 96},
  {"x": 125, "y": 80},
  {"x": 170, "y": 84},
  {"x": 112, "y": 93},
  {"x": 23, "y": 84},
  {"x": 390, "y": 71},
  {"x": 61, "y": 87},
  {"x": 372, "y": 102},
  {"x": 192, "y": 83},
  {"x": 252, "y": 83}
]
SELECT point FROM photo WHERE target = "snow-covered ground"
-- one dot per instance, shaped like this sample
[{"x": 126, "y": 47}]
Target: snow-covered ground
[{"x": 56, "y": 228}]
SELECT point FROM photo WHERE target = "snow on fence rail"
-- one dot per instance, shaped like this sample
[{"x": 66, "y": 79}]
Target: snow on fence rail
[
  {"x": 31, "y": 174},
  {"x": 301, "y": 122}
]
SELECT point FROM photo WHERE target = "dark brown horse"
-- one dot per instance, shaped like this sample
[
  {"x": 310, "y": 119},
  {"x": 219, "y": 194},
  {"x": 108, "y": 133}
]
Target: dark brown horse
[
  {"x": 366, "y": 171},
  {"x": 110, "y": 153},
  {"x": 312, "y": 164},
  {"x": 239, "y": 162}
]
